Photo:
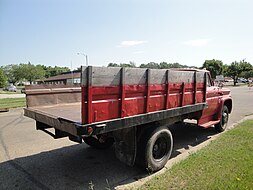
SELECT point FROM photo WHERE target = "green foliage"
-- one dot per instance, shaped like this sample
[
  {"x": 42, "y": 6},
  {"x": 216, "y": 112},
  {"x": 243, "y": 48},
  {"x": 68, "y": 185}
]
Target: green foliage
[
  {"x": 247, "y": 74},
  {"x": 150, "y": 65},
  {"x": 236, "y": 69},
  {"x": 214, "y": 66},
  {"x": 130, "y": 64},
  {"x": 3, "y": 79},
  {"x": 11, "y": 71},
  {"x": 30, "y": 72},
  {"x": 113, "y": 65},
  {"x": 53, "y": 71},
  {"x": 224, "y": 70}
]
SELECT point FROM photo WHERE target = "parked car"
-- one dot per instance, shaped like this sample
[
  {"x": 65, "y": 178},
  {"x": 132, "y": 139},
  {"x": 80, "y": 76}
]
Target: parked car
[
  {"x": 12, "y": 88},
  {"x": 23, "y": 90}
]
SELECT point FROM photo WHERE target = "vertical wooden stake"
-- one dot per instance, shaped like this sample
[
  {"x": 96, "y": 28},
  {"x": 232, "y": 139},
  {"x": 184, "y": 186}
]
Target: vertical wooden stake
[
  {"x": 122, "y": 105},
  {"x": 89, "y": 95},
  {"x": 148, "y": 89},
  {"x": 195, "y": 88},
  {"x": 167, "y": 90},
  {"x": 182, "y": 96}
]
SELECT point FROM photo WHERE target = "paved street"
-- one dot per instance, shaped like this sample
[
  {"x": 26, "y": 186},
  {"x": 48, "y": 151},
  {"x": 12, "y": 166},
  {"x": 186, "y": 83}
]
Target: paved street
[{"x": 30, "y": 159}]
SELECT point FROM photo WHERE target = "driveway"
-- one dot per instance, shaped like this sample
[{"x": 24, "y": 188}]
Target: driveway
[{"x": 30, "y": 159}]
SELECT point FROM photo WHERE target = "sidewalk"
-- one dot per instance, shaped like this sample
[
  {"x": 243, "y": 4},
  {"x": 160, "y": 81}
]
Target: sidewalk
[{"x": 12, "y": 96}]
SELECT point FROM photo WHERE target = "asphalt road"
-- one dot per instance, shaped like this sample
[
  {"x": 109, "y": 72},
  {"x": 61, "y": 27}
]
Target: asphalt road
[{"x": 30, "y": 159}]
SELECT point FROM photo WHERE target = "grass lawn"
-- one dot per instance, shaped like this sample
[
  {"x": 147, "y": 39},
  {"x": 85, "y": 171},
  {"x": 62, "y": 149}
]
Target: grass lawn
[
  {"x": 7, "y": 92},
  {"x": 227, "y": 163},
  {"x": 12, "y": 102}
]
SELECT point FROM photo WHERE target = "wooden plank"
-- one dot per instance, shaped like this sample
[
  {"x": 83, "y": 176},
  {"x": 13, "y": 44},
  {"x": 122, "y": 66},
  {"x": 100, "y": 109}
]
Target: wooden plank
[
  {"x": 89, "y": 95},
  {"x": 111, "y": 76},
  {"x": 147, "y": 89},
  {"x": 122, "y": 107},
  {"x": 167, "y": 90},
  {"x": 205, "y": 87},
  {"x": 182, "y": 95},
  {"x": 195, "y": 88},
  {"x": 158, "y": 76}
]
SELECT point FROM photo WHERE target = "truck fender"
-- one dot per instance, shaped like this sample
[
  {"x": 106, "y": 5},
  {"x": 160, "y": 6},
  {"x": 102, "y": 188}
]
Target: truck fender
[{"x": 224, "y": 101}]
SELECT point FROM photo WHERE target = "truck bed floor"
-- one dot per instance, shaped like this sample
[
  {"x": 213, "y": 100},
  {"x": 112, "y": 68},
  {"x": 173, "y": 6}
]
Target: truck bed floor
[{"x": 70, "y": 111}]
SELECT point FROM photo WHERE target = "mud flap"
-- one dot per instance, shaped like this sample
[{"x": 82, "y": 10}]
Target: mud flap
[{"x": 125, "y": 145}]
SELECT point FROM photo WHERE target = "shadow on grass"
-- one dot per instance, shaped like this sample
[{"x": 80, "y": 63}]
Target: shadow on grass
[{"x": 81, "y": 167}]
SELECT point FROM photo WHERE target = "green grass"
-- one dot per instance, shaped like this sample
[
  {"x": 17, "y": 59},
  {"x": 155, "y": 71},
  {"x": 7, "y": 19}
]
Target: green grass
[
  {"x": 227, "y": 163},
  {"x": 7, "y": 92},
  {"x": 12, "y": 102}
]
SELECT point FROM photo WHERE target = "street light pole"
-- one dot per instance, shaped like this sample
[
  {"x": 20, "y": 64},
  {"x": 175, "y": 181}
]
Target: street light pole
[{"x": 86, "y": 57}]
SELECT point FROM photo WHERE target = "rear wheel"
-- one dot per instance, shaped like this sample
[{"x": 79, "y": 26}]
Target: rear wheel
[
  {"x": 222, "y": 125},
  {"x": 99, "y": 141},
  {"x": 156, "y": 148}
]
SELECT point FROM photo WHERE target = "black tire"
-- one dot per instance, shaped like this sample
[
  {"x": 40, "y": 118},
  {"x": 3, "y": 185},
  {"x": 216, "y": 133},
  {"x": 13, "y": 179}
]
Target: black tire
[
  {"x": 222, "y": 125},
  {"x": 156, "y": 147},
  {"x": 99, "y": 141}
]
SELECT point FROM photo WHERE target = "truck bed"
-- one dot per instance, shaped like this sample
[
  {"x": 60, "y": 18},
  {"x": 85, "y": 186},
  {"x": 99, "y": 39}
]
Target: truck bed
[
  {"x": 70, "y": 112},
  {"x": 109, "y": 99}
]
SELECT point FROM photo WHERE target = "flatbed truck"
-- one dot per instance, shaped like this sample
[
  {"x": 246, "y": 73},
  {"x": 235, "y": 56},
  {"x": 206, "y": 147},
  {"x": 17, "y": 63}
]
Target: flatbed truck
[{"x": 130, "y": 108}]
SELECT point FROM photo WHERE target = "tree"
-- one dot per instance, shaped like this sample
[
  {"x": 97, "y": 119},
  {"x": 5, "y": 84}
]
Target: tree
[
  {"x": 53, "y": 71},
  {"x": 113, "y": 65},
  {"x": 151, "y": 65},
  {"x": 3, "y": 78},
  {"x": 214, "y": 66},
  {"x": 12, "y": 72},
  {"x": 224, "y": 69},
  {"x": 237, "y": 68},
  {"x": 31, "y": 72},
  {"x": 247, "y": 74},
  {"x": 130, "y": 64}
]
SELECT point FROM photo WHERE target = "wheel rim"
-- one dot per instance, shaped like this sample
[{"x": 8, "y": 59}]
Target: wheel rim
[
  {"x": 160, "y": 148},
  {"x": 224, "y": 119}
]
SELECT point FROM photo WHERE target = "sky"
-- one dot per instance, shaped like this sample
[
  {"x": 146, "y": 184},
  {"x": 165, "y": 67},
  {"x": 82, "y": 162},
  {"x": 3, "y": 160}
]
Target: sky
[{"x": 53, "y": 32}]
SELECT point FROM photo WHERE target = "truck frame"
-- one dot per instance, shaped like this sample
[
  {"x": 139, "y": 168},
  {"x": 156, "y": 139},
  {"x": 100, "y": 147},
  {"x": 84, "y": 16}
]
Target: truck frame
[{"x": 130, "y": 108}]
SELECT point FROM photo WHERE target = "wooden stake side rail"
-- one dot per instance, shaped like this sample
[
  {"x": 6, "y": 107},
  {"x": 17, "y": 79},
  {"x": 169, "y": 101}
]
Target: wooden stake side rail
[{"x": 111, "y": 93}]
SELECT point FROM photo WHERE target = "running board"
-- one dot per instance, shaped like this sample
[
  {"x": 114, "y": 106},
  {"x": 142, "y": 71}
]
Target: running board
[{"x": 210, "y": 123}]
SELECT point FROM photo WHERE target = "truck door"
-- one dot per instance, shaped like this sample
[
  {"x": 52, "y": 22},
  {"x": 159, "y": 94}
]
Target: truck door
[{"x": 212, "y": 99}]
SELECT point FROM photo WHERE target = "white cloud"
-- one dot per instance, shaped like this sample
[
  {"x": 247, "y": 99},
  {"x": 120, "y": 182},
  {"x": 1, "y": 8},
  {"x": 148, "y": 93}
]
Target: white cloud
[
  {"x": 131, "y": 43},
  {"x": 197, "y": 42},
  {"x": 138, "y": 52}
]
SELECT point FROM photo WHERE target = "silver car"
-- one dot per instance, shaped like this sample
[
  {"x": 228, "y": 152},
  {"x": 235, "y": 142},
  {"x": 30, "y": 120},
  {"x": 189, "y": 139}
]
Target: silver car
[{"x": 12, "y": 88}]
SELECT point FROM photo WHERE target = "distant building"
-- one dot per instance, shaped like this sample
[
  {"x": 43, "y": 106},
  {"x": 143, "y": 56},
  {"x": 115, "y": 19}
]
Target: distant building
[{"x": 66, "y": 78}]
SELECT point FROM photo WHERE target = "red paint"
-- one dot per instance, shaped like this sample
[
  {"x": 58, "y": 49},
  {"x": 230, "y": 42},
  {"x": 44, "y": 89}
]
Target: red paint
[
  {"x": 122, "y": 108},
  {"x": 110, "y": 102},
  {"x": 167, "y": 95},
  {"x": 89, "y": 105},
  {"x": 148, "y": 105},
  {"x": 83, "y": 105}
]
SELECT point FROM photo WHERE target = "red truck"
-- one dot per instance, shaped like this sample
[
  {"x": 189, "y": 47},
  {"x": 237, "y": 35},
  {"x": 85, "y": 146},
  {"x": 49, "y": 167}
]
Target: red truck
[{"x": 130, "y": 108}]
